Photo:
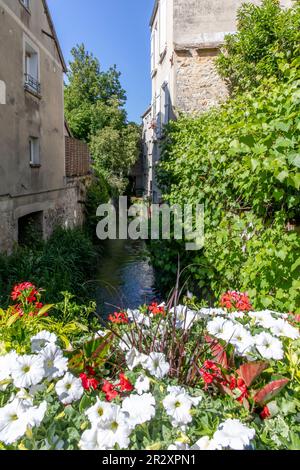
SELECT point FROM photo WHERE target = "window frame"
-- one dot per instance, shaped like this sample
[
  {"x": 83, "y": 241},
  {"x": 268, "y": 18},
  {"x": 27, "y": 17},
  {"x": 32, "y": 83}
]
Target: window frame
[
  {"x": 34, "y": 152},
  {"x": 26, "y": 4},
  {"x": 29, "y": 44}
]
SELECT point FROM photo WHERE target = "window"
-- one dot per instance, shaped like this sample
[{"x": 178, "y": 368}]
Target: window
[
  {"x": 2, "y": 92},
  {"x": 165, "y": 103},
  {"x": 31, "y": 67},
  {"x": 34, "y": 151},
  {"x": 26, "y": 4},
  {"x": 154, "y": 47}
]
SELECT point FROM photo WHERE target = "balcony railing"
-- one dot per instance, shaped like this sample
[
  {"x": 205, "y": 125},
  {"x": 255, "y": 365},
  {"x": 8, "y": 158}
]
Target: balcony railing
[{"x": 32, "y": 84}]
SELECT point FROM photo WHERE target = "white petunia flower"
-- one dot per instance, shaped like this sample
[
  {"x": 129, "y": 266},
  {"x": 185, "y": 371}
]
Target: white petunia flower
[
  {"x": 42, "y": 339},
  {"x": 234, "y": 435},
  {"x": 235, "y": 315},
  {"x": 28, "y": 371},
  {"x": 142, "y": 384},
  {"x": 7, "y": 363},
  {"x": 177, "y": 390},
  {"x": 16, "y": 417},
  {"x": 221, "y": 328},
  {"x": 69, "y": 389},
  {"x": 140, "y": 408},
  {"x": 115, "y": 431},
  {"x": 185, "y": 318},
  {"x": 55, "y": 364},
  {"x": 36, "y": 414},
  {"x": 264, "y": 318},
  {"x": 89, "y": 440},
  {"x": 211, "y": 312},
  {"x": 157, "y": 365},
  {"x": 178, "y": 407},
  {"x": 134, "y": 359},
  {"x": 205, "y": 443},
  {"x": 242, "y": 340},
  {"x": 268, "y": 346},
  {"x": 281, "y": 327},
  {"x": 99, "y": 412},
  {"x": 13, "y": 422},
  {"x": 135, "y": 316}
]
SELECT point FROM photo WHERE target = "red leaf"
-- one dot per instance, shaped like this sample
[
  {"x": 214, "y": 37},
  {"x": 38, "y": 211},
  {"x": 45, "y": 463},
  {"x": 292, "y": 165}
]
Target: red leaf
[
  {"x": 218, "y": 352},
  {"x": 270, "y": 391},
  {"x": 249, "y": 372}
]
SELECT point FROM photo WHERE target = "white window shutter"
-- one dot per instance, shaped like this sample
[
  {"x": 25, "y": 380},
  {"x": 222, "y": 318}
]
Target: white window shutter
[
  {"x": 163, "y": 26},
  {"x": 158, "y": 115},
  {"x": 152, "y": 50},
  {"x": 166, "y": 103}
]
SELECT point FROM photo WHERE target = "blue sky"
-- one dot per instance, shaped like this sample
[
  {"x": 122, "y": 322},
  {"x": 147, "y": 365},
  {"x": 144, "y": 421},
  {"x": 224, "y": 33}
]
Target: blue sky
[{"x": 117, "y": 32}]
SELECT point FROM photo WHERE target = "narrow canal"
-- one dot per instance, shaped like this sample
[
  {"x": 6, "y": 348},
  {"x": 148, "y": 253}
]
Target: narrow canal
[{"x": 125, "y": 276}]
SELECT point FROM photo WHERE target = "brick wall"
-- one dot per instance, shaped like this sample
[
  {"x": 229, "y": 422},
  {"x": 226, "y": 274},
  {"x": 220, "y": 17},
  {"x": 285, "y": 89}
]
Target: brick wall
[{"x": 78, "y": 160}]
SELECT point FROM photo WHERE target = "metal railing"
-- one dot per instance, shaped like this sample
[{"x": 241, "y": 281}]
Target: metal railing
[{"x": 32, "y": 84}]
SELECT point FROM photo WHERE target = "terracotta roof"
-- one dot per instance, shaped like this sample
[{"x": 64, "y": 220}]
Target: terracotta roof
[{"x": 51, "y": 24}]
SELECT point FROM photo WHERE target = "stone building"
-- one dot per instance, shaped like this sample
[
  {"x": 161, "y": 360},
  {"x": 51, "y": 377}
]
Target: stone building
[
  {"x": 186, "y": 36},
  {"x": 35, "y": 170}
]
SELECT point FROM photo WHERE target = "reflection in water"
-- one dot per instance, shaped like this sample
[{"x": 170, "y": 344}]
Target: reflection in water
[{"x": 125, "y": 276}]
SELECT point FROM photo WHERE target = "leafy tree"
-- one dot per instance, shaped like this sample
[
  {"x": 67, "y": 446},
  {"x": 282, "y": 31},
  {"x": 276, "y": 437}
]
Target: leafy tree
[
  {"x": 267, "y": 41},
  {"x": 94, "y": 106},
  {"x": 115, "y": 150},
  {"x": 92, "y": 97}
]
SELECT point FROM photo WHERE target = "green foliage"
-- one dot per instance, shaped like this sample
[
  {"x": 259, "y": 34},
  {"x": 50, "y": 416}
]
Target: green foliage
[
  {"x": 97, "y": 193},
  {"x": 115, "y": 151},
  {"x": 63, "y": 263},
  {"x": 268, "y": 39},
  {"x": 92, "y": 97},
  {"x": 94, "y": 107},
  {"x": 242, "y": 162}
]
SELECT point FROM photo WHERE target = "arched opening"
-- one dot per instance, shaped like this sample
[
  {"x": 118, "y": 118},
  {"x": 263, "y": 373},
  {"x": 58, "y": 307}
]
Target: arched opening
[{"x": 30, "y": 229}]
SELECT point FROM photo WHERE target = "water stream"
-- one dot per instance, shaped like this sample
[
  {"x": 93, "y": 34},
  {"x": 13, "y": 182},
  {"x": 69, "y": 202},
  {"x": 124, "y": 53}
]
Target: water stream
[{"x": 125, "y": 276}]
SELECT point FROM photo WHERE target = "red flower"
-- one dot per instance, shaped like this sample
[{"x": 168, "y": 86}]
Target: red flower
[
  {"x": 110, "y": 392},
  {"x": 125, "y": 385},
  {"x": 156, "y": 310},
  {"x": 110, "y": 396},
  {"x": 210, "y": 372},
  {"x": 233, "y": 300},
  {"x": 265, "y": 414},
  {"x": 208, "y": 378},
  {"x": 212, "y": 366},
  {"x": 26, "y": 287},
  {"x": 119, "y": 318},
  {"x": 88, "y": 382}
]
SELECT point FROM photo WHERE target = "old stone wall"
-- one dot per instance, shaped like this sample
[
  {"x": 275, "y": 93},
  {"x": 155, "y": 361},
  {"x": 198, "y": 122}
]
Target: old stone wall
[
  {"x": 64, "y": 208},
  {"x": 199, "y": 86}
]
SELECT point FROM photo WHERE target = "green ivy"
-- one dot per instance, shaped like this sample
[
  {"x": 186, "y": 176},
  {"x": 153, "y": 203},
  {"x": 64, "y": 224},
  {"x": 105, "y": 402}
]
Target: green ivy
[{"x": 242, "y": 161}]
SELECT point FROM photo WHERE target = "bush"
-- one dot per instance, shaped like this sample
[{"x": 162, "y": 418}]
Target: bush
[
  {"x": 242, "y": 162},
  {"x": 267, "y": 42},
  {"x": 97, "y": 193},
  {"x": 63, "y": 263}
]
